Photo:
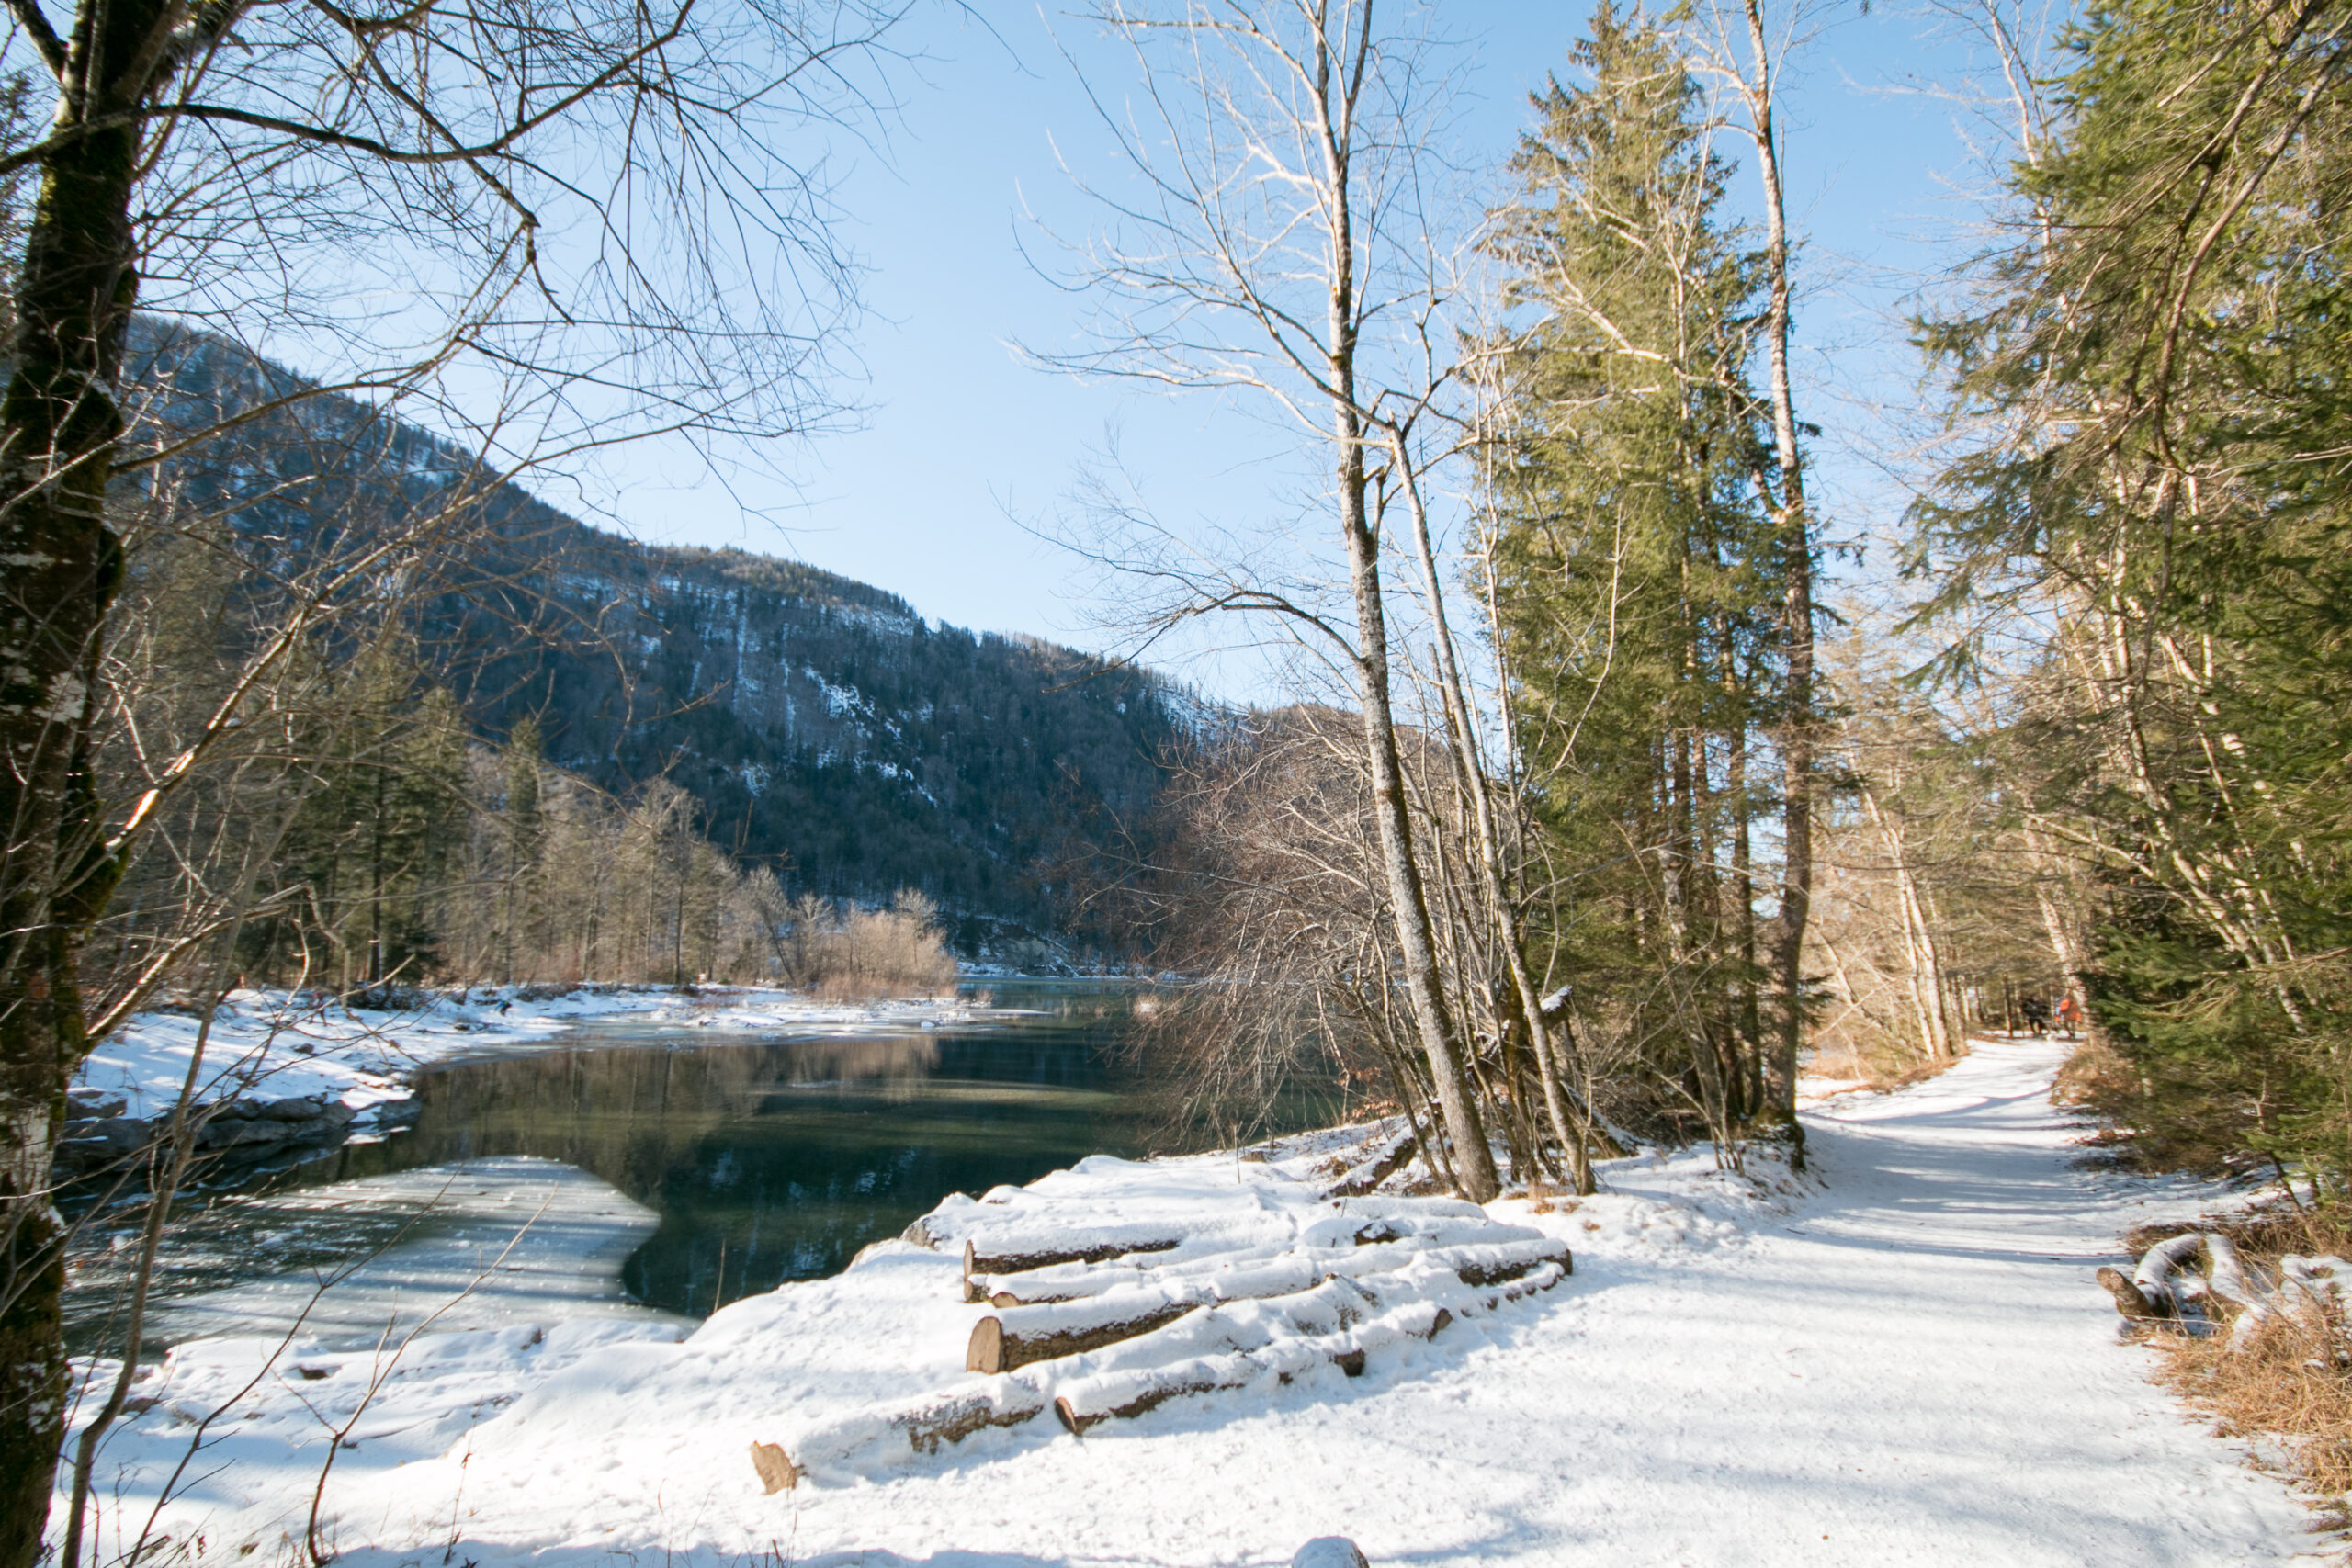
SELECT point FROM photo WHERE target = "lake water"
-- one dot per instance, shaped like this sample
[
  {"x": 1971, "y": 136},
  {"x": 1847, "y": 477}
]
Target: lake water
[{"x": 766, "y": 1159}]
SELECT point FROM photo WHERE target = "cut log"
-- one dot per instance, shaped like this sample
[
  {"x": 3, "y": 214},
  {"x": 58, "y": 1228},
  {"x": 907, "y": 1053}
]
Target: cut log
[
  {"x": 919, "y": 1428},
  {"x": 2128, "y": 1299},
  {"x": 1123, "y": 1393},
  {"x": 978, "y": 1263},
  {"x": 1379, "y": 1168},
  {"x": 2154, "y": 1277},
  {"x": 995, "y": 1348},
  {"x": 1502, "y": 1272},
  {"x": 2150, "y": 1294},
  {"x": 1077, "y": 1421},
  {"x": 2225, "y": 1271}
]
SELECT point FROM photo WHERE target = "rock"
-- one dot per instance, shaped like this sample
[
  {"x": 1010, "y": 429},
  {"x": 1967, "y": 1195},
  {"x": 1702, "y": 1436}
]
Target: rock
[
  {"x": 123, "y": 1134},
  {"x": 393, "y": 1115},
  {"x": 1329, "y": 1551},
  {"x": 227, "y": 1132},
  {"x": 95, "y": 1104},
  {"x": 92, "y": 1143},
  {"x": 305, "y": 1109}
]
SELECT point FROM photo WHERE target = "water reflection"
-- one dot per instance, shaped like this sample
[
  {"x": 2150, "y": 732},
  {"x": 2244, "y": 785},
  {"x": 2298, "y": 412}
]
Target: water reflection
[{"x": 777, "y": 1161}]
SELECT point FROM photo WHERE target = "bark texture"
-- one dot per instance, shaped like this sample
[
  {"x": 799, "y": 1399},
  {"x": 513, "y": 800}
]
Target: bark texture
[
  {"x": 61, "y": 565},
  {"x": 1797, "y": 738}
]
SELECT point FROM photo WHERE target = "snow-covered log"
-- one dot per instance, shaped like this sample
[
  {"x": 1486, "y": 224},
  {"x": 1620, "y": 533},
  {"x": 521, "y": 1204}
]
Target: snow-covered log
[
  {"x": 1020, "y": 1336},
  {"x": 919, "y": 1428},
  {"x": 1329, "y": 1551},
  {"x": 2166, "y": 1287},
  {"x": 978, "y": 1265},
  {"x": 1351, "y": 1246},
  {"x": 1381, "y": 1163},
  {"x": 1125, "y": 1392}
]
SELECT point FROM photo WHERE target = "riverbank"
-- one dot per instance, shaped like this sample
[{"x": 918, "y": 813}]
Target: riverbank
[
  {"x": 1900, "y": 1358},
  {"x": 288, "y": 1075}
]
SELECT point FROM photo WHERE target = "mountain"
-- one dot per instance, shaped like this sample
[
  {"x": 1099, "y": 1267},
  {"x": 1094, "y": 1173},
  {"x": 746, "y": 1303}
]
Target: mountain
[{"x": 821, "y": 724}]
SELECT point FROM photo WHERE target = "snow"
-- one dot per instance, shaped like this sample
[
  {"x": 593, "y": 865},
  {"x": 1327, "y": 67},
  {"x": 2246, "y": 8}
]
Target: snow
[
  {"x": 1899, "y": 1357},
  {"x": 280, "y": 1045},
  {"x": 491, "y": 1243}
]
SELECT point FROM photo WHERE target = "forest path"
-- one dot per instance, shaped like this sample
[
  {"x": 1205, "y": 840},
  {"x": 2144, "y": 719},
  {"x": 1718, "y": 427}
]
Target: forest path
[
  {"x": 1916, "y": 1366},
  {"x": 1910, "y": 1363}
]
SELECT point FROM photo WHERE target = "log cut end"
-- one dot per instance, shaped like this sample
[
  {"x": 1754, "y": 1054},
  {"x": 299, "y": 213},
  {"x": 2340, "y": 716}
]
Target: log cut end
[
  {"x": 776, "y": 1472},
  {"x": 2128, "y": 1299},
  {"x": 972, "y": 1292},
  {"x": 985, "y": 1353}
]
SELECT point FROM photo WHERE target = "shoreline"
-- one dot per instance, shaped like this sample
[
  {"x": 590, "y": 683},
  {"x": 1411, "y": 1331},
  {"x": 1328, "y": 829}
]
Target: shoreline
[
  {"x": 1940, "y": 1248},
  {"x": 290, "y": 1075}
]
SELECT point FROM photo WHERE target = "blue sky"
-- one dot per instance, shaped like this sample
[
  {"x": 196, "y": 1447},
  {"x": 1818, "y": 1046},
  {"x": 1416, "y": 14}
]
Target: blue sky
[{"x": 960, "y": 439}]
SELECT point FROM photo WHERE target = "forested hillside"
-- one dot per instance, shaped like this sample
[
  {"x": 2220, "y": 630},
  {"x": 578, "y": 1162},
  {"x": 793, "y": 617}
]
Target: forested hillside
[{"x": 821, "y": 727}]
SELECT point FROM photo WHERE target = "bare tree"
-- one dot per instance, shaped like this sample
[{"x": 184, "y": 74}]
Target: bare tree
[
  {"x": 551, "y": 225},
  {"x": 1283, "y": 150}
]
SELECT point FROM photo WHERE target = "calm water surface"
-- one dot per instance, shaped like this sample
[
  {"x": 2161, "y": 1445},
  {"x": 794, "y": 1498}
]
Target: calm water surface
[{"x": 768, "y": 1159}]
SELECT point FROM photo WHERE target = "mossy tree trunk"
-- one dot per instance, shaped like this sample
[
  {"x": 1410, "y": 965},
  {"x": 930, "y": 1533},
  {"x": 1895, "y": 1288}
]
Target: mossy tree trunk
[{"x": 60, "y": 565}]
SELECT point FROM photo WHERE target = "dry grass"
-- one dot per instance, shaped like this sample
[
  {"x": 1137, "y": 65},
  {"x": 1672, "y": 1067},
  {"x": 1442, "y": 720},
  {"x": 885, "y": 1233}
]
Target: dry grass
[
  {"x": 2095, "y": 1075},
  {"x": 2292, "y": 1386},
  {"x": 1877, "y": 1071}
]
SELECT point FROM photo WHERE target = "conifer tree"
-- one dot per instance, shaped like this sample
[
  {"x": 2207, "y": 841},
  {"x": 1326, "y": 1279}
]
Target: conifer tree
[
  {"x": 2161, "y": 363},
  {"x": 1634, "y": 573}
]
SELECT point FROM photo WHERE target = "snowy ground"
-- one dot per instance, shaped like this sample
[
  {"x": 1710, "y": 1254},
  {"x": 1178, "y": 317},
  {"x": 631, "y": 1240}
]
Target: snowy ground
[
  {"x": 1903, "y": 1359},
  {"x": 276, "y": 1045},
  {"x": 491, "y": 1243}
]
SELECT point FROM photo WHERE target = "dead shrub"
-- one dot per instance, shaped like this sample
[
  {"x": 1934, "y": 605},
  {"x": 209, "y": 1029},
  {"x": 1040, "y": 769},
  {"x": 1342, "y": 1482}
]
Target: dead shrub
[
  {"x": 1876, "y": 1070},
  {"x": 2292, "y": 1383},
  {"x": 849, "y": 954}
]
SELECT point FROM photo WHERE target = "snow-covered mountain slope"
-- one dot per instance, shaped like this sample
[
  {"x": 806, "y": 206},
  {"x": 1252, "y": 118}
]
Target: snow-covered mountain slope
[
  {"x": 822, "y": 726},
  {"x": 1901, "y": 1358}
]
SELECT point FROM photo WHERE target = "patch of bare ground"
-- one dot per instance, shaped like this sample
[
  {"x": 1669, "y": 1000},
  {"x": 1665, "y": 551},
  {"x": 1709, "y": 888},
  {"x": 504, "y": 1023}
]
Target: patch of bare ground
[{"x": 2288, "y": 1388}]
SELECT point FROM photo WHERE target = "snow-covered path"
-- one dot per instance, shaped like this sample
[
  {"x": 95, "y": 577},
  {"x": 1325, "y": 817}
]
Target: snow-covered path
[{"x": 1910, "y": 1364}]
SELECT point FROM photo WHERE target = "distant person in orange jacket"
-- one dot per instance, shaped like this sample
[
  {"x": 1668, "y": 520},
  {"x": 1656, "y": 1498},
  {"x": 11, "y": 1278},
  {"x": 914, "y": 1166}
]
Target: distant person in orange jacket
[{"x": 2069, "y": 1015}]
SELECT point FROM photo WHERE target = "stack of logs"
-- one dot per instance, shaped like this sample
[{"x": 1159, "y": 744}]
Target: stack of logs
[{"x": 1112, "y": 1329}]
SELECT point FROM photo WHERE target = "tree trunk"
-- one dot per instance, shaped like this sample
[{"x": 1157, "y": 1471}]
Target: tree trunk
[
  {"x": 1474, "y": 1162},
  {"x": 59, "y": 424},
  {"x": 1574, "y": 1132},
  {"x": 1796, "y": 529}
]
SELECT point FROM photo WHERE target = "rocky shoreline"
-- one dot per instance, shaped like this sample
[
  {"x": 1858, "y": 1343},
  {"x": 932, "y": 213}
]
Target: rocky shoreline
[{"x": 233, "y": 1137}]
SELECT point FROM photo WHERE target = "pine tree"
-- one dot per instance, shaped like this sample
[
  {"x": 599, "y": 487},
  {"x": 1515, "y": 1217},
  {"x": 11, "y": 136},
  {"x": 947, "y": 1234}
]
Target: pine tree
[{"x": 1634, "y": 573}]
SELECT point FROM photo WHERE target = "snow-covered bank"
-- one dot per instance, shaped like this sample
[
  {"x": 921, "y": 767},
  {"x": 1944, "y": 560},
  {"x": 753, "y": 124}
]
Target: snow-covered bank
[
  {"x": 278, "y": 1047},
  {"x": 491, "y": 1243},
  {"x": 1903, "y": 1360}
]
